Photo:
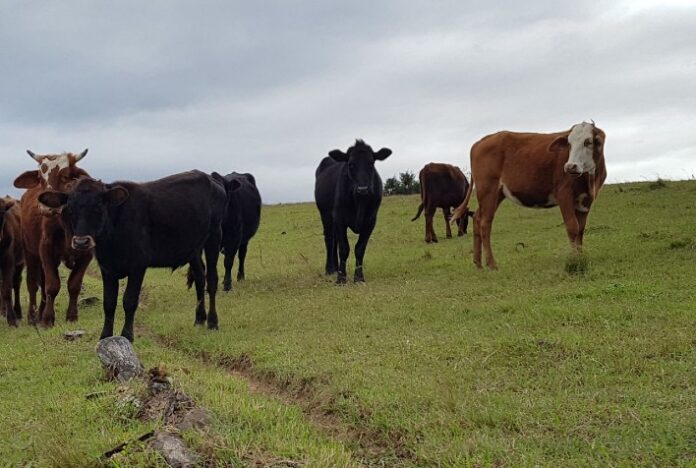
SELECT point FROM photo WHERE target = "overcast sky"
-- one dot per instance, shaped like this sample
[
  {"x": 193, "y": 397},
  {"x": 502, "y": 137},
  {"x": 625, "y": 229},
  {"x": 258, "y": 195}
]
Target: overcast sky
[{"x": 269, "y": 87}]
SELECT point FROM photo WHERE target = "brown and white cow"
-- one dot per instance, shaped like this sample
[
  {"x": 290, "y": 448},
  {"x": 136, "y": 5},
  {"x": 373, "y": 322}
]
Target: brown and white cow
[
  {"x": 442, "y": 186},
  {"x": 47, "y": 235},
  {"x": 538, "y": 170},
  {"x": 11, "y": 259}
]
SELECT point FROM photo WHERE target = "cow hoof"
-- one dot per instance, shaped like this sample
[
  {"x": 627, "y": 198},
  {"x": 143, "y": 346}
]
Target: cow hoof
[
  {"x": 199, "y": 322},
  {"x": 341, "y": 280},
  {"x": 359, "y": 279},
  {"x": 240, "y": 277},
  {"x": 46, "y": 323},
  {"x": 227, "y": 287},
  {"x": 12, "y": 323},
  {"x": 449, "y": 236},
  {"x": 71, "y": 318},
  {"x": 213, "y": 326}
]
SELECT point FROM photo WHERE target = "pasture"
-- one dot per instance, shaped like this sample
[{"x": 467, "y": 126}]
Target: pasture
[{"x": 431, "y": 362}]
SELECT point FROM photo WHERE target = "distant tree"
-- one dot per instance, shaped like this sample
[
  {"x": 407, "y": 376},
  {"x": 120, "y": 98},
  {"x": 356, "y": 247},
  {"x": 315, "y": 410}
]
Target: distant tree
[
  {"x": 405, "y": 184},
  {"x": 391, "y": 186}
]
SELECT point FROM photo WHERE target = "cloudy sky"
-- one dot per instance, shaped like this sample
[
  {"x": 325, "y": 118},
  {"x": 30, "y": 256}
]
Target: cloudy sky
[{"x": 269, "y": 87}]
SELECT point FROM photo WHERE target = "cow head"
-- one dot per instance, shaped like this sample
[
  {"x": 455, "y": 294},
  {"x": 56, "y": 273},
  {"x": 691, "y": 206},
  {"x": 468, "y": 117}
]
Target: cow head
[
  {"x": 57, "y": 170},
  {"x": 361, "y": 165},
  {"x": 585, "y": 145},
  {"x": 5, "y": 204},
  {"x": 87, "y": 207}
]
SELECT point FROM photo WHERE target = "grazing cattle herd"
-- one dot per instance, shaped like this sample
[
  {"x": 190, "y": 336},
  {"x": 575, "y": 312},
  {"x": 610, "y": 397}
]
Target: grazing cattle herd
[{"x": 189, "y": 218}]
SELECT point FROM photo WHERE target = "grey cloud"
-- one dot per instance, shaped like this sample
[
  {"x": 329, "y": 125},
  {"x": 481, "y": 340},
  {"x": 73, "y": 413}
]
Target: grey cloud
[{"x": 270, "y": 87}]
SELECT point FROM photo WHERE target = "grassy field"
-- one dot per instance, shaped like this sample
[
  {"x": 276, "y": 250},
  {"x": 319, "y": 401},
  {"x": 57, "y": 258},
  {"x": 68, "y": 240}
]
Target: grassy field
[{"x": 431, "y": 362}]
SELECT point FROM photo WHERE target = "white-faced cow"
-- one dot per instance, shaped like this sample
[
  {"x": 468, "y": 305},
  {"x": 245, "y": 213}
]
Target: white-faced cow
[
  {"x": 166, "y": 223},
  {"x": 539, "y": 170},
  {"x": 348, "y": 192}
]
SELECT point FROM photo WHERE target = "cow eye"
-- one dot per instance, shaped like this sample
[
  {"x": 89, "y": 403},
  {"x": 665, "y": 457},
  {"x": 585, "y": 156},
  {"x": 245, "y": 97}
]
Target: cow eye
[{"x": 588, "y": 143}]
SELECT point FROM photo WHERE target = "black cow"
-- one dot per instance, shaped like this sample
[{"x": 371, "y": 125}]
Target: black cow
[
  {"x": 240, "y": 224},
  {"x": 166, "y": 223},
  {"x": 348, "y": 192}
]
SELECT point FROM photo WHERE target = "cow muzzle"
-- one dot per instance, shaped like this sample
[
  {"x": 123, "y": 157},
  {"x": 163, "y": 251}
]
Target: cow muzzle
[
  {"x": 362, "y": 190},
  {"x": 572, "y": 169},
  {"x": 83, "y": 243}
]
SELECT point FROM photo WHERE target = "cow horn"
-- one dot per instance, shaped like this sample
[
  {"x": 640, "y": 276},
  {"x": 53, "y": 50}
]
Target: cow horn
[
  {"x": 34, "y": 156},
  {"x": 81, "y": 155},
  {"x": 592, "y": 121}
]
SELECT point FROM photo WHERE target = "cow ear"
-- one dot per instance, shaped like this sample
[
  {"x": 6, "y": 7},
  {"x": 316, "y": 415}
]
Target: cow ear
[
  {"x": 338, "y": 155},
  {"x": 28, "y": 180},
  {"x": 599, "y": 140},
  {"x": 233, "y": 185},
  {"x": 558, "y": 144},
  {"x": 53, "y": 199},
  {"x": 383, "y": 154},
  {"x": 116, "y": 196}
]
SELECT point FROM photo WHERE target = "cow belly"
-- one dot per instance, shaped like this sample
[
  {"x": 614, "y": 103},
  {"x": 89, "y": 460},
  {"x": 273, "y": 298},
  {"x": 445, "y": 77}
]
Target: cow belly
[{"x": 530, "y": 200}]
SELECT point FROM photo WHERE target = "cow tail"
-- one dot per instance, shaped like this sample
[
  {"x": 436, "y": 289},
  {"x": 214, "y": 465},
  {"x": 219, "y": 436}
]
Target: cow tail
[
  {"x": 420, "y": 210},
  {"x": 423, "y": 192},
  {"x": 463, "y": 209}
]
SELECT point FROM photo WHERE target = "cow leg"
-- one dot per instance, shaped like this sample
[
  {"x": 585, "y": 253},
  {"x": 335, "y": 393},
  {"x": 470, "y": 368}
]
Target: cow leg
[
  {"x": 33, "y": 279},
  {"x": 430, "y": 235},
  {"x": 51, "y": 286},
  {"x": 330, "y": 244},
  {"x": 131, "y": 298},
  {"x": 212, "y": 253},
  {"x": 229, "y": 263},
  {"x": 446, "y": 214},
  {"x": 16, "y": 285},
  {"x": 570, "y": 220},
  {"x": 198, "y": 272},
  {"x": 110, "y": 297},
  {"x": 242, "y": 258},
  {"x": 360, "y": 248},
  {"x": 582, "y": 221},
  {"x": 488, "y": 204},
  {"x": 7, "y": 268},
  {"x": 75, "y": 285},
  {"x": 341, "y": 234}
]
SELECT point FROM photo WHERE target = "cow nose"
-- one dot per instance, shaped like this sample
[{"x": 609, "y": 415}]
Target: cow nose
[
  {"x": 572, "y": 169},
  {"x": 82, "y": 242},
  {"x": 361, "y": 190}
]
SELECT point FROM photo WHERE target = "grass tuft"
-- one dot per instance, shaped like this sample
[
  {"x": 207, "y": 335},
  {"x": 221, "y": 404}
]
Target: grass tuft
[{"x": 577, "y": 263}]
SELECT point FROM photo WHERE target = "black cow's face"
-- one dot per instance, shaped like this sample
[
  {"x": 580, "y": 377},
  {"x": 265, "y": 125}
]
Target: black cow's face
[
  {"x": 361, "y": 165},
  {"x": 87, "y": 209}
]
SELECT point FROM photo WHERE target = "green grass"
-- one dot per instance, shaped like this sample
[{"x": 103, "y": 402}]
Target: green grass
[{"x": 552, "y": 360}]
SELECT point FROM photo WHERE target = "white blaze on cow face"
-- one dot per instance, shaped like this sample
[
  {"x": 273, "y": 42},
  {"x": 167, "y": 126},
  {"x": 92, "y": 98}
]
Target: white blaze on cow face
[
  {"x": 581, "y": 142},
  {"x": 49, "y": 164}
]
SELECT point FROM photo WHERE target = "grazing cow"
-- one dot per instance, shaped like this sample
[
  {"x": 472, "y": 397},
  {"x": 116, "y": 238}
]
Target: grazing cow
[
  {"x": 46, "y": 235},
  {"x": 538, "y": 170},
  {"x": 348, "y": 192},
  {"x": 11, "y": 259},
  {"x": 240, "y": 224},
  {"x": 442, "y": 186},
  {"x": 166, "y": 223}
]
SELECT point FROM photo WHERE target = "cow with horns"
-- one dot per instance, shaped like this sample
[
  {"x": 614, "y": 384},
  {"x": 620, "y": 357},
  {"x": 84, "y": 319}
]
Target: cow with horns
[
  {"x": 47, "y": 235},
  {"x": 537, "y": 170}
]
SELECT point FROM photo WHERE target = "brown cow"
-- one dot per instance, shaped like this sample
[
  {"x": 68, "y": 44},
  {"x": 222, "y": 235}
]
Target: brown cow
[
  {"x": 11, "y": 259},
  {"x": 442, "y": 186},
  {"x": 47, "y": 236},
  {"x": 539, "y": 170}
]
